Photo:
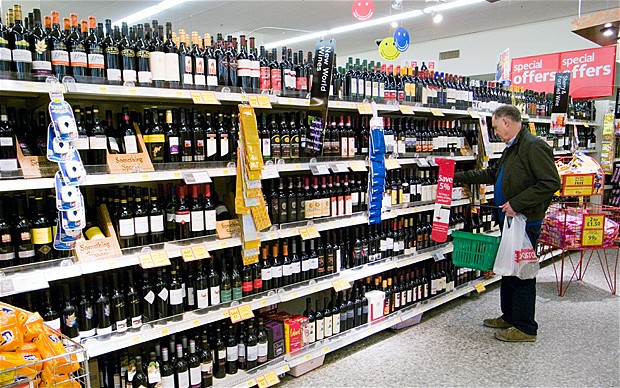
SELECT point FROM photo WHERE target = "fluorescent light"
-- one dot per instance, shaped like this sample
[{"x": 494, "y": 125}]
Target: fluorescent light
[
  {"x": 149, "y": 11},
  {"x": 371, "y": 23}
]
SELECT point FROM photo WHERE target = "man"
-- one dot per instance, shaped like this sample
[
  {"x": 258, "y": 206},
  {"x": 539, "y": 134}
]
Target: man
[{"x": 525, "y": 179}]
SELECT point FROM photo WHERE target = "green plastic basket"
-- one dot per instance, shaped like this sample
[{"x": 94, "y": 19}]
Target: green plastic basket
[{"x": 475, "y": 251}]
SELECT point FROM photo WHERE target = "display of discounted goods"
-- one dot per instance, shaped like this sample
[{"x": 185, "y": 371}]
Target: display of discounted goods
[
  {"x": 592, "y": 231},
  {"x": 578, "y": 185},
  {"x": 441, "y": 216}
]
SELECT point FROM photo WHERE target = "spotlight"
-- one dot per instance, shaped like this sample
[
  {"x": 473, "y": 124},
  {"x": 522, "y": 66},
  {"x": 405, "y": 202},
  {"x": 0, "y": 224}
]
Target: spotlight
[
  {"x": 608, "y": 31},
  {"x": 394, "y": 24},
  {"x": 437, "y": 17}
]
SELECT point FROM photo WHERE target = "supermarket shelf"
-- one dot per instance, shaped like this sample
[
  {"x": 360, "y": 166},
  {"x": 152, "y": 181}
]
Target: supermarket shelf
[
  {"x": 188, "y": 320},
  {"x": 333, "y": 343}
]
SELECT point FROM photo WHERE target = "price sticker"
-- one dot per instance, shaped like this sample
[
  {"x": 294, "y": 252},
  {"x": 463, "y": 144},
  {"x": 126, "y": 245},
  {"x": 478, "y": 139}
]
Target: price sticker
[
  {"x": 197, "y": 98},
  {"x": 253, "y": 101},
  {"x": 586, "y": 124},
  {"x": 251, "y": 383},
  {"x": 263, "y": 102},
  {"x": 165, "y": 331},
  {"x": 357, "y": 165},
  {"x": 246, "y": 312},
  {"x": 136, "y": 339},
  {"x": 272, "y": 378},
  {"x": 326, "y": 349},
  {"x": 223, "y": 244},
  {"x": 210, "y": 98},
  {"x": 304, "y": 233},
  {"x": 391, "y": 164},
  {"x": 532, "y": 127},
  {"x": 406, "y": 109},
  {"x": 200, "y": 252},
  {"x": 195, "y": 322},
  {"x": 187, "y": 254},
  {"x": 480, "y": 287},
  {"x": 341, "y": 284},
  {"x": 160, "y": 258},
  {"x": 177, "y": 175},
  {"x": 235, "y": 316},
  {"x": 273, "y": 235},
  {"x": 436, "y": 112},
  {"x": 112, "y": 178},
  {"x": 262, "y": 382},
  {"x": 133, "y": 91},
  {"x": 146, "y": 261},
  {"x": 264, "y": 303}
]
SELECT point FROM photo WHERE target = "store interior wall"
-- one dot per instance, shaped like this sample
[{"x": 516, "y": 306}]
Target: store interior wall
[{"x": 479, "y": 52}]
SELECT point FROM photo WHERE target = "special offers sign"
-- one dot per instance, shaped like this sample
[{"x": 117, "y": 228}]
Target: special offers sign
[{"x": 592, "y": 71}]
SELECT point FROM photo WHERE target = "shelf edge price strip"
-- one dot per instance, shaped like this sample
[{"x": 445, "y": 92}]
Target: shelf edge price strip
[{"x": 406, "y": 109}]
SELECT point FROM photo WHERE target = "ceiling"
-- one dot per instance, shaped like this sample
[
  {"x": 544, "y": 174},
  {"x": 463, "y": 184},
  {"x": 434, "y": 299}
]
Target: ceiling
[{"x": 269, "y": 19}]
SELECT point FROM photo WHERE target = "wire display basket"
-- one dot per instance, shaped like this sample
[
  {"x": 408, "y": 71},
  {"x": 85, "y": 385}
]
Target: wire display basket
[
  {"x": 67, "y": 370},
  {"x": 576, "y": 226}
]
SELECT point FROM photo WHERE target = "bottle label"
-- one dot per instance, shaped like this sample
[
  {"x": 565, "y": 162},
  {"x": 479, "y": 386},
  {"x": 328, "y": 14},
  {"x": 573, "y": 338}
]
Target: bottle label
[
  {"x": 265, "y": 78},
  {"x": 305, "y": 265},
  {"x": 195, "y": 376},
  {"x": 276, "y": 79},
  {"x": 141, "y": 225},
  {"x": 202, "y": 298},
  {"x": 150, "y": 297},
  {"x": 266, "y": 147},
  {"x": 258, "y": 284},
  {"x": 207, "y": 368},
  {"x": 157, "y": 64},
  {"x": 183, "y": 379},
  {"x": 287, "y": 270},
  {"x": 296, "y": 267},
  {"x": 154, "y": 374},
  {"x": 163, "y": 294},
  {"x": 212, "y": 75},
  {"x": 244, "y": 68},
  {"x": 41, "y": 67},
  {"x": 5, "y": 54},
  {"x": 210, "y": 220},
  {"x": 320, "y": 330},
  {"x": 98, "y": 142},
  {"x": 336, "y": 323},
  {"x": 167, "y": 381},
  {"x": 78, "y": 59},
  {"x": 224, "y": 145},
  {"x": 95, "y": 61},
  {"x": 41, "y": 236},
  {"x": 145, "y": 77},
  {"x": 126, "y": 227},
  {"x": 232, "y": 353},
  {"x": 188, "y": 79},
  {"x": 314, "y": 262},
  {"x": 214, "y": 292},
  {"x": 302, "y": 83},
  {"x": 136, "y": 322},
  {"x": 277, "y": 271},
  {"x": 131, "y": 144},
  {"x": 252, "y": 353},
  {"x": 328, "y": 322},
  {"x": 311, "y": 332},
  {"x": 21, "y": 55},
  {"x": 263, "y": 350},
  {"x": 176, "y": 297},
  {"x": 211, "y": 145},
  {"x": 172, "y": 67},
  {"x": 157, "y": 223},
  {"x": 60, "y": 58},
  {"x": 198, "y": 221},
  {"x": 121, "y": 326}
]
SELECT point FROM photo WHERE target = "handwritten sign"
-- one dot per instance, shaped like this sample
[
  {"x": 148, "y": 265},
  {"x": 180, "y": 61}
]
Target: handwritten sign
[
  {"x": 593, "y": 229},
  {"x": 88, "y": 250},
  {"x": 154, "y": 260},
  {"x": 227, "y": 228}
]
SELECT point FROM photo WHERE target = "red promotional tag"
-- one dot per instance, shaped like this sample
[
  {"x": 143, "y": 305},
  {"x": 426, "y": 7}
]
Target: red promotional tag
[{"x": 441, "y": 217}]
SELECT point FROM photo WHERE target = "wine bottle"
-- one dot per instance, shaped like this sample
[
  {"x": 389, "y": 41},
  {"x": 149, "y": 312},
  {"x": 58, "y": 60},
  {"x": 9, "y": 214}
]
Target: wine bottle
[
  {"x": 69, "y": 321},
  {"x": 162, "y": 292},
  {"x": 172, "y": 59},
  {"x": 148, "y": 299},
  {"x": 185, "y": 62},
  {"x": 22, "y": 233},
  {"x": 119, "y": 313},
  {"x": 173, "y": 151},
  {"x": 167, "y": 370},
  {"x": 194, "y": 364},
  {"x": 226, "y": 285},
  {"x": 206, "y": 363},
  {"x": 41, "y": 232},
  {"x": 20, "y": 48},
  {"x": 319, "y": 322},
  {"x": 214, "y": 285},
  {"x": 41, "y": 58},
  {"x": 140, "y": 379},
  {"x": 176, "y": 293},
  {"x": 198, "y": 138},
  {"x": 102, "y": 311},
  {"x": 244, "y": 66},
  {"x": 156, "y": 220},
  {"x": 198, "y": 62},
  {"x": 220, "y": 355},
  {"x": 133, "y": 303},
  {"x": 211, "y": 63},
  {"x": 86, "y": 316},
  {"x": 143, "y": 56},
  {"x": 181, "y": 369}
]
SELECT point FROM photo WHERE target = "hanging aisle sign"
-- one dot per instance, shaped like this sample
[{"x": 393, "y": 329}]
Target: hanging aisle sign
[
  {"x": 559, "y": 109},
  {"x": 324, "y": 58},
  {"x": 592, "y": 71},
  {"x": 441, "y": 217}
]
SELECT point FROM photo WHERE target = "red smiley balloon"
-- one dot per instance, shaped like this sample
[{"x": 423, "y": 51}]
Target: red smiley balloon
[{"x": 363, "y": 9}]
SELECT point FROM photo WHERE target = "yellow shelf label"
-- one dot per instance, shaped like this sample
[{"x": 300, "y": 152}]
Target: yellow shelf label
[
  {"x": 197, "y": 98},
  {"x": 146, "y": 261},
  {"x": 235, "y": 316},
  {"x": 272, "y": 378},
  {"x": 474, "y": 114},
  {"x": 262, "y": 382},
  {"x": 364, "y": 109},
  {"x": 406, "y": 109},
  {"x": 357, "y": 165},
  {"x": 246, "y": 312},
  {"x": 253, "y": 101},
  {"x": 263, "y": 102},
  {"x": 200, "y": 252},
  {"x": 187, "y": 254},
  {"x": 391, "y": 164},
  {"x": 160, "y": 258},
  {"x": 480, "y": 287},
  {"x": 436, "y": 112},
  {"x": 209, "y": 98}
]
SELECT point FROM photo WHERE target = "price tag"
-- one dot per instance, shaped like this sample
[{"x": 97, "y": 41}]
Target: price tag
[
  {"x": 251, "y": 383},
  {"x": 357, "y": 165},
  {"x": 160, "y": 259},
  {"x": 436, "y": 112},
  {"x": 263, "y": 102},
  {"x": 309, "y": 232},
  {"x": 406, "y": 109},
  {"x": 593, "y": 230},
  {"x": 480, "y": 287},
  {"x": 177, "y": 175},
  {"x": 253, "y": 100},
  {"x": 191, "y": 178},
  {"x": 210, "y": 98},
  {"x": 246, "y": 312},
  {"x": 304, "y": 233},
  {"x": 200, "y": 252},
  {"x": 165, "y": 331},
  {"x": 146, "y": 261},
  {"x": 272, "y": 378},
  {"x": 270, "y": 171},
  {"x": 364, "y": 109},
  {"x": 391, "y": 164},
  {"x": 319, "y": 169},
  {"x": 197, "y": 98},
  {"x": 338, "y": 167},
  {"x": 235, "y": 316},
  {"x": 474, "y": 114},
  {"x": 341, "y": 284},
  {"x": 187, "y": 254},
  {"x": 136, "y": 339},
  {"x": 262, "y": 382},
  {"x": 195, "y": 322},
  {"x": 585, "y": 124}
]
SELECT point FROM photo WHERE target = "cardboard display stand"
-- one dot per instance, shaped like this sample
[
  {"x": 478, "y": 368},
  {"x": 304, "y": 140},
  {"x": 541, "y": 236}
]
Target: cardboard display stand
[
  {"x": 130, "y": 163},
  {"x": 103, "y": 248}
]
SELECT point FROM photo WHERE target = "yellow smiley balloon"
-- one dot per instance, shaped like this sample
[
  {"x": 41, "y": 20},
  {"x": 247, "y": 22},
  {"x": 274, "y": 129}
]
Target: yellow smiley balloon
[{"x": 388, "y": 50}]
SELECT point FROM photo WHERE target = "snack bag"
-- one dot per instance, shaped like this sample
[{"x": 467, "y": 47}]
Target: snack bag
[
  {"x": 10, "y": 360},
  {"x": 50, "y": 346},
  {"x": 22, "y": 315},
  {"x": 29, "y": 347},
  {"x": 51, "y": 379},
  {"x": 11, "y": 337},
  {"x": 33, "y": 327}
]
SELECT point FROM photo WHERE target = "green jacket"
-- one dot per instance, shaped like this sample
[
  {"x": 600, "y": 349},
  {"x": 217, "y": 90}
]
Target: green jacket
[{"x": 530, "y": 177}]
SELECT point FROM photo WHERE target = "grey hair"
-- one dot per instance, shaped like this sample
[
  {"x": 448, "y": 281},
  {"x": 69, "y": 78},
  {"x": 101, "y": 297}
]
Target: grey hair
[{"x": 509, "y": 111}]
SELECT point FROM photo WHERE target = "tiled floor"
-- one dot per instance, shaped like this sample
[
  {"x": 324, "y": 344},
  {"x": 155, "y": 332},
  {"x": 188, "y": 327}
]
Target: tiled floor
[{"x": 578, "y": 345}]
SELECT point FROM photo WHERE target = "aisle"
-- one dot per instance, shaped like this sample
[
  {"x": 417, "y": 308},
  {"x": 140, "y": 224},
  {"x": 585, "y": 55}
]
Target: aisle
[{"x": 578, "y": 345}]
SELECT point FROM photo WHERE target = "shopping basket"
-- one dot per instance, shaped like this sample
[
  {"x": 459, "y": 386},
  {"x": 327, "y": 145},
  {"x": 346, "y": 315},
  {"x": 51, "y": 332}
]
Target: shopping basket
[{"x": 475, "y": 251}]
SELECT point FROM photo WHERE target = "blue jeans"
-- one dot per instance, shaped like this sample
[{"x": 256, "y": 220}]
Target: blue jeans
[{"x": 518, "y": 297}]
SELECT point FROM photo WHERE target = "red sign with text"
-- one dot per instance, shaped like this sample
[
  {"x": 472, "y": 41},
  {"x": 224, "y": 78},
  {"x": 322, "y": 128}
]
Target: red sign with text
[
  {"x": 592, "y": 71},
  {"x": 441, "y": 216}
]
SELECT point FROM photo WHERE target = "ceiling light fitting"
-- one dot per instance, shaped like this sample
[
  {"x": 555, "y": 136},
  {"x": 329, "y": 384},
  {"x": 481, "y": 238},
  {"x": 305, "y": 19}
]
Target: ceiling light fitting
[
  {"x": 437, "y": 17},
  {"x": 608, "y": 31}
]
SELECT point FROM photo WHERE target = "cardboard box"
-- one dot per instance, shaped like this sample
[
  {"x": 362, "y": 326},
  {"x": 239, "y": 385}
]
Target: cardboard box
[
  {"x": 375, "y": 304},
  {"x": 307, "y": 366},
  {"x": 294, "y": 327},
  {"x": 275, "y": 338}
]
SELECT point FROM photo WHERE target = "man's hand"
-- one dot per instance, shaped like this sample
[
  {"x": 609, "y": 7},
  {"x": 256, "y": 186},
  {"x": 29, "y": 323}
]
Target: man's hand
[{"x": 507, "y": 209}]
